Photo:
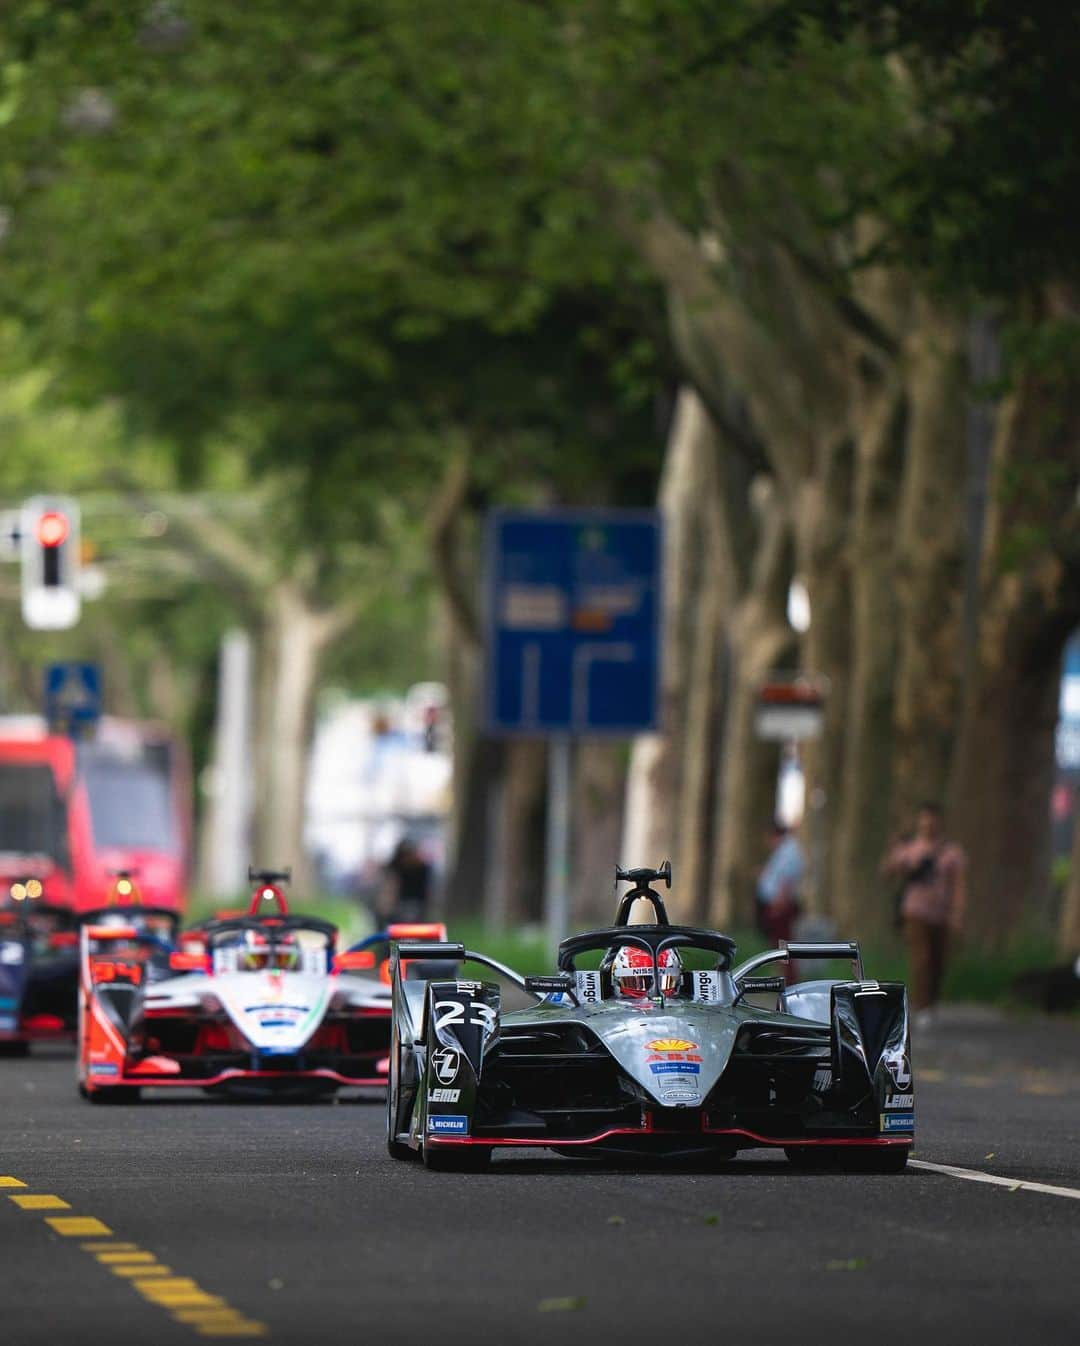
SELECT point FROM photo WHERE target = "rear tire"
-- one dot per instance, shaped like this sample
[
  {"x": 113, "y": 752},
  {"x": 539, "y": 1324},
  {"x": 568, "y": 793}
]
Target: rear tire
[{"x": 458, "y": 1159}]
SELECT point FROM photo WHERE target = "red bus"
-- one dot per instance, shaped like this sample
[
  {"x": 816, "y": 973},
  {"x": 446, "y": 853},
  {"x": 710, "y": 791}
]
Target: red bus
[{"x": 72, "y": 815}]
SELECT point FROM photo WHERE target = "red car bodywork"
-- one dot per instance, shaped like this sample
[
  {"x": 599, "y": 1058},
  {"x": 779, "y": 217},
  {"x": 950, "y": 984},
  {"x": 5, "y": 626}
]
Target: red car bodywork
[{"x": 122, "y": 956}]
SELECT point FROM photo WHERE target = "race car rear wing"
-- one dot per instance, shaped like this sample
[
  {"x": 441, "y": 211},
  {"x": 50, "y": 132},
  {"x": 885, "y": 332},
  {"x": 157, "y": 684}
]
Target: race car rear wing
[
  {"x": 842, "y": 949},
  {"x": 415, "y": 950}
]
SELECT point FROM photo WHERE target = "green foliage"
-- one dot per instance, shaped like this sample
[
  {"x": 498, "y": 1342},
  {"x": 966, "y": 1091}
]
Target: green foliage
[
  {"x": 298, "y": 227},
  {"x": 340, "y": 236},
  {"x": 988, "y": 190}
]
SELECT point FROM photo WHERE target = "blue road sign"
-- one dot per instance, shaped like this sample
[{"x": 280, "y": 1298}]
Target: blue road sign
[
  {"x": 573, "y": 622},
  {"x": 72, "y": 696}
]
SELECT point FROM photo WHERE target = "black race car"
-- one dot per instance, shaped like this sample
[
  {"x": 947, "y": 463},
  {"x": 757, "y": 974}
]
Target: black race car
[{"x": 665, "y": 1047}]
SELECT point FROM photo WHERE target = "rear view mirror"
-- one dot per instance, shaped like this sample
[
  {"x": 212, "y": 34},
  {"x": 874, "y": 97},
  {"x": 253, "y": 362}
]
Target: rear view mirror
[
  {"x": 362, "y": 960},
  {"x": 559, "y": 982},
  {"x": 760, "y": 986},
  {"x": 187, "y": 962}
]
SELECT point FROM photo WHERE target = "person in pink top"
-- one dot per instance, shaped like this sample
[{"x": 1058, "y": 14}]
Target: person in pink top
[{"x": 933, "y": 871}]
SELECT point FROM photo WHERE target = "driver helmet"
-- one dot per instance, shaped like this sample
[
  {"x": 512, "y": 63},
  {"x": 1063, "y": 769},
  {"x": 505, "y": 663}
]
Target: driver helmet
[
  {"x": 632, "y": 972},
  {"x": 258, "y": 954}
]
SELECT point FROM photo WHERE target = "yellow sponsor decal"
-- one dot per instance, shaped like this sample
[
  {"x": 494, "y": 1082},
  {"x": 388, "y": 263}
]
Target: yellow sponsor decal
[{"x": 670, "y": 1045}]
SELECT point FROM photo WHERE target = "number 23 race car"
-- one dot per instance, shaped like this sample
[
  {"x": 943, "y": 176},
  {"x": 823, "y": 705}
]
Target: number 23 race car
[{"x": 663, "y": 1048}]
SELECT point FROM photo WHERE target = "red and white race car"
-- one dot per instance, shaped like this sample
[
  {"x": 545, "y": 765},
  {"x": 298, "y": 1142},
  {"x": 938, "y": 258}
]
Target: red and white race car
[{"x": 256, "y": 1005}]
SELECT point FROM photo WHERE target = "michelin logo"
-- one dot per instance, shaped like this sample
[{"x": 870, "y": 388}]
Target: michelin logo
[
  {"x": 897, "y": 1121},
  {"x": 454, "y": 1126}
]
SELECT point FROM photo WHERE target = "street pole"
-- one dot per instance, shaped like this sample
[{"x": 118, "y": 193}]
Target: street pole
[
  {"x": 557, "y": 848},
  {"x": 230, "y": 813}
]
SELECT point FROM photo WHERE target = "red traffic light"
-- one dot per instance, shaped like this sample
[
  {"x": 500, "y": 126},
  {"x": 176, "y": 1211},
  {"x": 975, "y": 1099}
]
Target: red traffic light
[{"x": 52, "y": 529}]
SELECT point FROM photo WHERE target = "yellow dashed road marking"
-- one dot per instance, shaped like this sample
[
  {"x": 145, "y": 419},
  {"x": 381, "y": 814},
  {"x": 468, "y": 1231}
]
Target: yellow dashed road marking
[
  {"x": 178, "y": 1292},
  {"x": 174, "y": 1283},
  {"x": 40, "y": 1202},
  {"x": 187, "y": 1299},
  {"x": 238, "y": 1330},
  {"x": 205, "y": 1316},
  {"x": 77, "y": 1226},
  {"x": 208, "y": 1315}
]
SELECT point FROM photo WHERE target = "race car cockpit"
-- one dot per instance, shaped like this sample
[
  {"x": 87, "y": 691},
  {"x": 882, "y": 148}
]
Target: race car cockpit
[
  {"x": 642, "y": 960},
  {"x": 271, "y": 944}
]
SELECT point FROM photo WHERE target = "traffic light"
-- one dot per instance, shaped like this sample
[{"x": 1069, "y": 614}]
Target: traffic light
[{"x": 49, "y": 542}]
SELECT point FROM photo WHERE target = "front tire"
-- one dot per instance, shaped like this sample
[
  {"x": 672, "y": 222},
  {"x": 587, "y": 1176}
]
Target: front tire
[{"x": 396, "y": 1149}]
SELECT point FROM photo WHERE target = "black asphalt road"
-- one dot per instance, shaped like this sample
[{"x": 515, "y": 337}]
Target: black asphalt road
[{"x": 289, "y": 1223}]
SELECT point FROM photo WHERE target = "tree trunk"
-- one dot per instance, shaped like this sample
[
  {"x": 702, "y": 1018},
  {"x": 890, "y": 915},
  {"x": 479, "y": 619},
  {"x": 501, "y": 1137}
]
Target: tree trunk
[
  {"x": 1069, "y": 932},
  {"x": 1030, "y": 605},
  {"x": 823, "y": 560},
  {"x": 931, "y": 541},
  {"x": 289, "y": 649},
  {"x": 477, "y": 757},
  {"x": 600, "y": 777},
  {"x": 515, "y": 878},
  {"x": 861, "y": 831},
  {"x": 1005, "y": 774},
  {"x": 654, "y": 781},
  {"x": 700, "y": 755},
  {"x": 759, "y": 642}
]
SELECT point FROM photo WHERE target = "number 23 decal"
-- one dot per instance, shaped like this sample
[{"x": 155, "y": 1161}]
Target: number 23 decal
[{"x": 451, "y": 1014}]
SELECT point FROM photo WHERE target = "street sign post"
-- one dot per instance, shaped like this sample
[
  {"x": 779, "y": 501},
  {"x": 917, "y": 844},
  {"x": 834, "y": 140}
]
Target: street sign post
[
  {"x": 72, "y": 697},
  {"x": 790, "y": 709},
  {"x": 573, "y": 622},
  {"x": 10, "y": 534},
  {"x": 573, "y": 645}
]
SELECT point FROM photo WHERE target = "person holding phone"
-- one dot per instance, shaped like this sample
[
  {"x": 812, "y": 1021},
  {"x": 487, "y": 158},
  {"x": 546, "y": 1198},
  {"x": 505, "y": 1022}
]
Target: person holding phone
[{"x": 933, "y": 872}]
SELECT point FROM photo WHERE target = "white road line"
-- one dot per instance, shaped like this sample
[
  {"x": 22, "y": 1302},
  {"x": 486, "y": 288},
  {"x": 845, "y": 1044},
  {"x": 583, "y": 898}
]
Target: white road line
[{"x": 1013, "y": 1184}]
